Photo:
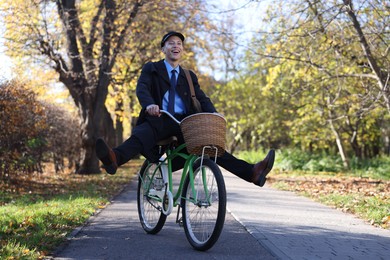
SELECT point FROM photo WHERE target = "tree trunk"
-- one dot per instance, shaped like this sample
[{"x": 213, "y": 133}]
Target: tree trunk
[
  {"x": 109, "y": 129},
  {"x": 119, "y": 111},
  {"x": 339, "y": 143},
  {"x": 88, "y": 90},
  {"x": 354, "y": 132},
  {"x": 386, "y": 138},
  {"x": 382, "y": 77},
  {"x": 355, "y": 146},
  {"x": 88, "y": 163},
  {"x": 118, "y": 131}
]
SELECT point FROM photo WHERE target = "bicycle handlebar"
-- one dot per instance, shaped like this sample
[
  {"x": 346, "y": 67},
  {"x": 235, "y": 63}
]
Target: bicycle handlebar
[{"x": 170, "y": 115}]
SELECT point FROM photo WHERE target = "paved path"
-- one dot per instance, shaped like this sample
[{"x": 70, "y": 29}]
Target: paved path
[
  {"x": 294, "y": 227},
  {"x": 262, "y": 223},
  {"x": 116, "y": 233}
]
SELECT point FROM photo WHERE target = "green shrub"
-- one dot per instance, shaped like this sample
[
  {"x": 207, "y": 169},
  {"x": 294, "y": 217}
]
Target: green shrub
[
  {"x": 378, "y": 167},
  {"x": 323, "y": 164},
  {"x": 33, "y": 132},
  {"x": 22, "y": 129},
  {"x": 296, "y": 160}
]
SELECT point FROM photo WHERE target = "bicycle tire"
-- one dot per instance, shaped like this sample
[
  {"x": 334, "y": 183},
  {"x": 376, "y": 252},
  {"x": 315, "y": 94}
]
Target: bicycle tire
[
  {"x": 204, "y": 219},
  {"x": 149, "y": 210}
]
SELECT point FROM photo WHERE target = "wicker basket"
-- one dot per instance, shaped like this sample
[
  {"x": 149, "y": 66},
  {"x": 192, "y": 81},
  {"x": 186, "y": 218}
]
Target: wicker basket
[{"x": 204, "y": 129}]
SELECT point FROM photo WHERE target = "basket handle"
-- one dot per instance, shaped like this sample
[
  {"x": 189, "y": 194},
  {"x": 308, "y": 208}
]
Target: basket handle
[{"x": 170, "y": 115}]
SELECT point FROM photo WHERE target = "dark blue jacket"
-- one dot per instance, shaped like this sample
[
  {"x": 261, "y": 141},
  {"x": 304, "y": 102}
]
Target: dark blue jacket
[{"x": 154, "y": 82}]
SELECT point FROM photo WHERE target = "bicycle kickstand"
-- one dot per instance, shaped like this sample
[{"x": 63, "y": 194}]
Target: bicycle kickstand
[{"x": 179, "y": 218}]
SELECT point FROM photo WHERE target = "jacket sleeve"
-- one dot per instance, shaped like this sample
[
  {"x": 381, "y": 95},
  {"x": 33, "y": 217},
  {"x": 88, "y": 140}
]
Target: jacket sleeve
[
  {"x": 144, "y": 86},
  {"x": 205, "y": 102}
]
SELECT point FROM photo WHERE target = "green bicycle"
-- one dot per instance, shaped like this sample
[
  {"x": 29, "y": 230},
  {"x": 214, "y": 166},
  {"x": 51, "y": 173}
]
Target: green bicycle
[{"x": 201, "y": 194}]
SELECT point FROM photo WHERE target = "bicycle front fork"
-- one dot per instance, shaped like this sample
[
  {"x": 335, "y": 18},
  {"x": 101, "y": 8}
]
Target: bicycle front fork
[{"x": 167, "y": 198}]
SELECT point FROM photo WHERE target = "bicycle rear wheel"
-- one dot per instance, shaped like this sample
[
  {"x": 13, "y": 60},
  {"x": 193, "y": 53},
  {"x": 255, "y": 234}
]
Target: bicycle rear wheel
[
  {"x": 204, "y": 205},
  {"x": 150, "y": 206}
]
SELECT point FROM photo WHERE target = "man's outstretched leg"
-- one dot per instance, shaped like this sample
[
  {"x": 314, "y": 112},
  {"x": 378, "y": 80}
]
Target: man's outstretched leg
[
  {"x": 255, "y": 173},
  {"x": 261, "y": 169},
  {"x": 112, "y": 158},
  {"x": 107, "y": 156}
]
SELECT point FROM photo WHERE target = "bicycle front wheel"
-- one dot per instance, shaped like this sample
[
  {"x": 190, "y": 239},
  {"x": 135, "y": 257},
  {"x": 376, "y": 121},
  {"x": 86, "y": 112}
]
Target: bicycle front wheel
[
  {"x": 149, "y": 205},
  {"x": 204, "y": 205}
]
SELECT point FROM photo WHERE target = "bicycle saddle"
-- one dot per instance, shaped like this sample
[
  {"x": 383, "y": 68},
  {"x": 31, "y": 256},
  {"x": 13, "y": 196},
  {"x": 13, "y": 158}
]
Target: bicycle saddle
[{"x": 169, "y": 140}]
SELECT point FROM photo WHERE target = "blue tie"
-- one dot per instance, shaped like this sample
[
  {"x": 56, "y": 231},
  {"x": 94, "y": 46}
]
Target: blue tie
[{"x": 171, "y": 99}]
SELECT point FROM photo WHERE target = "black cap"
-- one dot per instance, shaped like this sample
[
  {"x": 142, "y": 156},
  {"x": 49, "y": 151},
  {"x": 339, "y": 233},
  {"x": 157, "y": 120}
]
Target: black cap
[{"x": 166, "y": 37}]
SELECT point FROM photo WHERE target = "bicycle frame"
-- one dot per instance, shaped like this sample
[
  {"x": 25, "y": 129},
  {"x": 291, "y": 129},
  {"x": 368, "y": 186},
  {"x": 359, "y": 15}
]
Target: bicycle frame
[
  {"x": 200, "y": 194},
  {"x": 165, "y": 164}
]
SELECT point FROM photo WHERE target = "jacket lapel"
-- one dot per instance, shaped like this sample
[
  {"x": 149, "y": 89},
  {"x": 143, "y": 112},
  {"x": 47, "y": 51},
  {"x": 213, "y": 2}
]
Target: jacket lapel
[
  {"x": 163, "y": 75},
  {"x": 162, "y": 70}
]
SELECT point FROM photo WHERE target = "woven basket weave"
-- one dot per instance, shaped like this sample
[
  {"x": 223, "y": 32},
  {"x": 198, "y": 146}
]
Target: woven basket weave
[{"x": 204, "y": 129}]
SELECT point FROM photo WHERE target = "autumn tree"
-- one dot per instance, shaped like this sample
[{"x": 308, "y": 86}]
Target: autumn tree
[
  {"x": 83, "y": 61},
  {"x": 91, "y": 45},
  {"x": 332, "y": 62}
]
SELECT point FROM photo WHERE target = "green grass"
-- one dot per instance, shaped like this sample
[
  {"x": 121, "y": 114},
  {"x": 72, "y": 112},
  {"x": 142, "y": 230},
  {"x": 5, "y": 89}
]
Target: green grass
[
  {"x": 366, "y": 198},
  {"x": 37, "y": 227},
  {"x": 33, "y": 223},
  {"x": 373, "y": 209},
  {"x": 296, "y": 160}
]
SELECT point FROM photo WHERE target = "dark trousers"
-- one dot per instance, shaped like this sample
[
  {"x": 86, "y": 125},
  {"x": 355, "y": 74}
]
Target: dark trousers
[{"x": 146, "y": 135}]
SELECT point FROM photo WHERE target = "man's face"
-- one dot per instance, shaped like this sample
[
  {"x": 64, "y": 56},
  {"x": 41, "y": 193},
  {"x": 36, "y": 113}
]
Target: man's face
[{"x": 173, "y": 49}]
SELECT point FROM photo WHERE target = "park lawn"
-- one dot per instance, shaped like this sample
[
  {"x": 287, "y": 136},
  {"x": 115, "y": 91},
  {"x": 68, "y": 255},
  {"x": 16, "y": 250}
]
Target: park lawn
[
  {"x": 368, "y": 199},
  {"x": 39, "y": 211}
]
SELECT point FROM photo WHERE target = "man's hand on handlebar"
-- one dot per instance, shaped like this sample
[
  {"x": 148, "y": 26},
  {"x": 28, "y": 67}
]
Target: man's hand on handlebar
[{"x": 153, "y": 110}]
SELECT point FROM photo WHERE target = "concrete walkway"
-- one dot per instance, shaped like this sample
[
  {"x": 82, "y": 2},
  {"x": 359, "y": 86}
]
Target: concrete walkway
[
  {"x": 262, "y": 223},
  {"x": 294, "y": 227},
  {"x": 116, "y": 233}
]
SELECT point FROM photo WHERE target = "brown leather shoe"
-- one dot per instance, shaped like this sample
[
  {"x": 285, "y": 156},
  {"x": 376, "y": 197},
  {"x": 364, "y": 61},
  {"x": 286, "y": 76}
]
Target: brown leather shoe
[
  {"x": 106, "y": 155},
  {"x": 261, "y": 169}
]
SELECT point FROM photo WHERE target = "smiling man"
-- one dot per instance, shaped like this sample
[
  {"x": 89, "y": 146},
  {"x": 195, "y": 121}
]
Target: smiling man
[{"x": 163, "y": 85}]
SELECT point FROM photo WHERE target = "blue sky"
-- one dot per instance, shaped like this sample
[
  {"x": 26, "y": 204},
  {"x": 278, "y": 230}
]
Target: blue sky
[{"x": 5, "y": 61}]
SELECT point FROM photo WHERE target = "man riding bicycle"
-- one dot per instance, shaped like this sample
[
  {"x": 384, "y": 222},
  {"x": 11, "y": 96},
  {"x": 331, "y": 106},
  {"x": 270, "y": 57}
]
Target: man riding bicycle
[{"x": 163, "y": 85}]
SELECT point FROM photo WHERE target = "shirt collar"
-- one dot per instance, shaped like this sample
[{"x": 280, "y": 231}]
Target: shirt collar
[{"x": 169, "y": 67}]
